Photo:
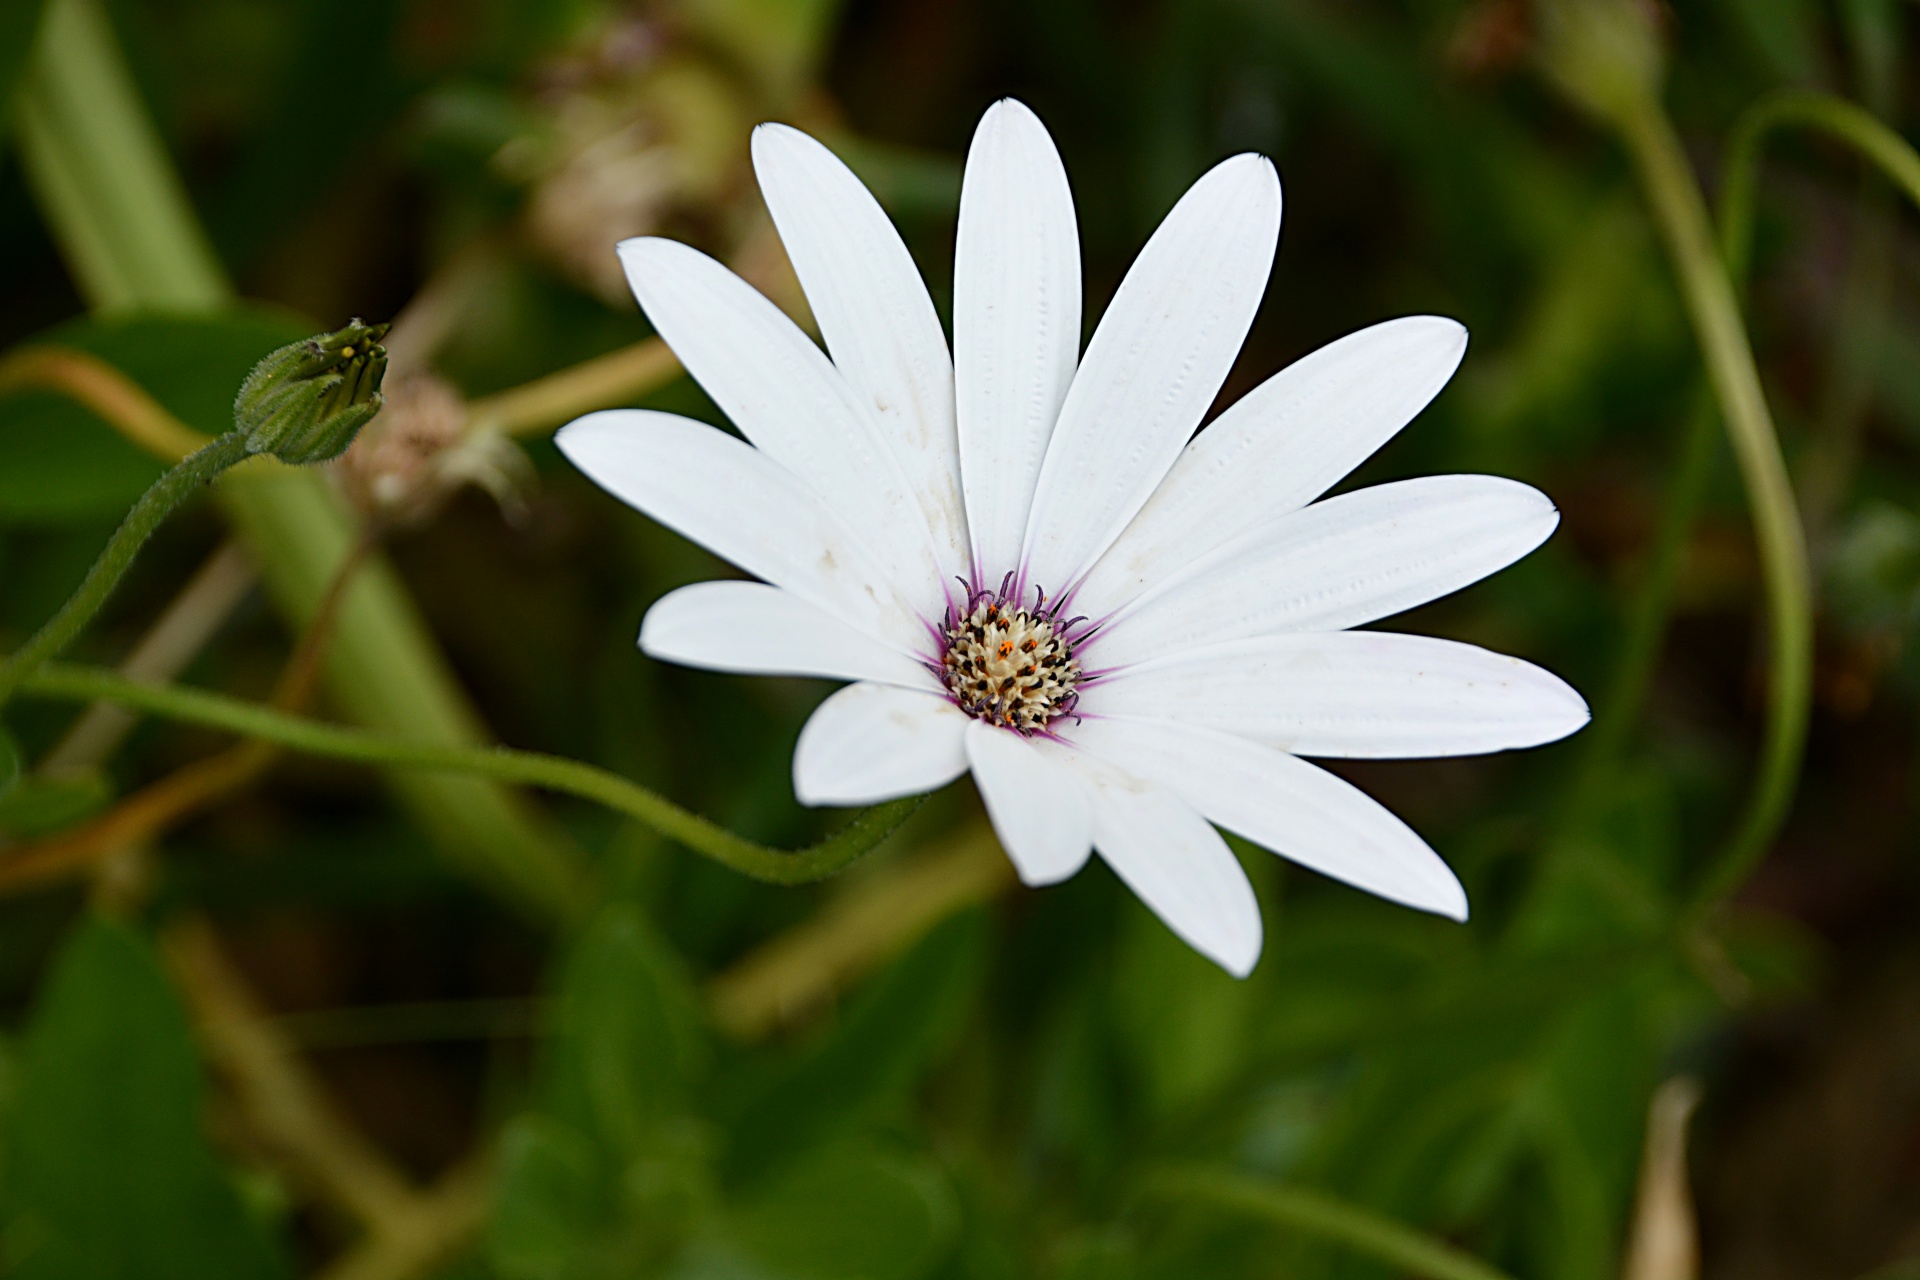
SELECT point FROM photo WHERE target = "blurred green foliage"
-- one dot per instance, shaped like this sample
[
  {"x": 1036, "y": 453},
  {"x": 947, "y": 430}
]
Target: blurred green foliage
[
  {"x": 108, "y": 1169},
  {"x": 59, "y": 464},
  {"x": 989, "y": 1102}
]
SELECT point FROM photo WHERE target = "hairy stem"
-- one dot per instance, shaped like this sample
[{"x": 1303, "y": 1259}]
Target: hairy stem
[
  {"x": 114, "y": 205},
  {"x": 176, "y": 637},
  {"x": 141, "y": 817},
  {"x": 169, "y": 491},
  {"x": 1314, "y": 1213},
  {"x": 553, "y": 773}
]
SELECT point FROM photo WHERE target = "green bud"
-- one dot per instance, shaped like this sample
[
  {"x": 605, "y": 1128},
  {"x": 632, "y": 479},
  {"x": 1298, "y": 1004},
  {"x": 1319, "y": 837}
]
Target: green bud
[
  {"x": 306, "y": 401},
  {"x": 1606, "y": 56}
]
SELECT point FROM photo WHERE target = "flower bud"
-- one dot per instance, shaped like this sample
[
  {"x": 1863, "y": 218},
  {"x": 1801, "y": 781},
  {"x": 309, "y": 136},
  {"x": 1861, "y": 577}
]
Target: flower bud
[
  {"x": 306, "y": 401},
  {"x": 1606, "y": 56}
]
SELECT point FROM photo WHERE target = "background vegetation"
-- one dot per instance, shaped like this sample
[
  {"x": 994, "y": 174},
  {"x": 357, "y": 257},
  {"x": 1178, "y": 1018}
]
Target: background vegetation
[{"x": 271, "y": 1014}]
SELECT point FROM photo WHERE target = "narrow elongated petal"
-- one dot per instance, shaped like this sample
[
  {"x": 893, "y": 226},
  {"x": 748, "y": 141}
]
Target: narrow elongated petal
[
  {"x": 1351, "y": 693},
  {"x": 1016, "y": 322},
  {"x": 1337, "y": 564},
  {"x": 874, "y": 742},
  {"x": 1154, "y": 365},
  {"x": 1039, "y": 808},
  {"x": 1177, "y": 864},
  {"x": 1279, "y": 447},
  {"x": 874, "y": 312},
  {"x": 785, "y": 395},
  {"x": 1296, "y": 809},
  {"x": 756, "y": 628},
  {"x": 741, "y": 505}
]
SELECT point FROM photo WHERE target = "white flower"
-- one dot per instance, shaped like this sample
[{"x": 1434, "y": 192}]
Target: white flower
[{"x": 1036, "y": 572}]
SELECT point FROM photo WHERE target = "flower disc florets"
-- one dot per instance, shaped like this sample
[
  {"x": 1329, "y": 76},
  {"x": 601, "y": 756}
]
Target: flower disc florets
[{"x": 1010, "y": 665}]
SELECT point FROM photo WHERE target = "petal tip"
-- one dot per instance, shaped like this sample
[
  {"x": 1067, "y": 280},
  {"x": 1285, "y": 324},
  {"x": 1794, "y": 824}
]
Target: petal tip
[
  {"x": 1034, "y": 877},
  {"x": 1577, "y": 714},
  {"x": 580, "y": 440},
  {"x": 772, "y": 134},
  {"x": 1010, "y": 111},
  {"x": 1442, "y": 338},
  {"x": 638, "y": 246},
  {"x": 809, "y": 790},
  {"x": 1240, "y": 960}
]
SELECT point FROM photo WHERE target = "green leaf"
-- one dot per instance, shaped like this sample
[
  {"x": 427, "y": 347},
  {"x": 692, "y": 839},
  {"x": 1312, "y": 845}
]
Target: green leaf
[
  {"x": 608, "y": 1177},
  {"x": 1182, "y": 1021},
  {"x": 630, "y": 1042},
  {"x": 59, "y": 463},
  {"x": 19, "y": 24},
  {"x": 848, "y": 1212},
  {"x": 38, "y": 806},
  {"x": 109, "y": 1176},
  {"x": 1873, "y": 568},
  {"x": 889, "y": 1036},
  {"x": 551, "y": 1202}
]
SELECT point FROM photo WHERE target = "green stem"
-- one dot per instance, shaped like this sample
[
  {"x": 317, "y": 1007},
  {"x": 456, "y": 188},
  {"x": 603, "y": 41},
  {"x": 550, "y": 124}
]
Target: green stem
[
  {"x": 1680, "y": 212},
  {"x": 99, "y": 168},
  {"x": 1836, "y": 117},
  {"x": 120, "y": 215},
  {"x": 1311, "y": 1212},
  {"x": 554, "y": 773},
  {"x": 155, "y": 505}
]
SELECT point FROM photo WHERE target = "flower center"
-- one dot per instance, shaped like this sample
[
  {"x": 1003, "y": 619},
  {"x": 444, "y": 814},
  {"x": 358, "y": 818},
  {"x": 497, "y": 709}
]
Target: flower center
[{"x": 1010, "y": 665}]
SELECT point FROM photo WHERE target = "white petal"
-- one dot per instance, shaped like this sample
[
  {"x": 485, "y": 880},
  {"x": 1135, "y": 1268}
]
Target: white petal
[
  {"x": 1279, "y": 447},
  {"x": 1153, "y": 366},
  {"x": 1337, "y": 564},
  {"x": 1039, "y": 808},
  {"x": 1296, "y": 809},
  {"x": 874, "y": 742},
  {"x": 1177, "y": 864},
  {"x": 1351, "y": 693},
  {"x": 1016, "y": 322},
  {"x": 785, "y": 395},
  {"x": 874, "y": 312},
  {"x": 741, "y": 505},
  {"x": 752, "y": 627}
]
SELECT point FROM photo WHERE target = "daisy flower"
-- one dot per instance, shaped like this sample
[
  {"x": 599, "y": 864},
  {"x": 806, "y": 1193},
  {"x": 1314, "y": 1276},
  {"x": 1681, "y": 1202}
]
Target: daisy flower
[{"x": 1030, "y": 566}]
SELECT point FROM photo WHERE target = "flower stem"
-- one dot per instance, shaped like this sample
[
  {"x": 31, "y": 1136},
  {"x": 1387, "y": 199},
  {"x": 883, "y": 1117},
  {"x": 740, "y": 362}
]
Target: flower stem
[
  {"x": 120, "y": 216},
  {"x": 1680, "y": 213},
  {"x": 186, "y": 626},
  {"x": 144, "y": 815},
  {"x": 619, "y": 377},
  {"x": 1314, "y": 1213},
  {"x": 168, "y": 492},
  {"x": 1875, "y": 142},
  {"x": 554, "y": 773}
]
